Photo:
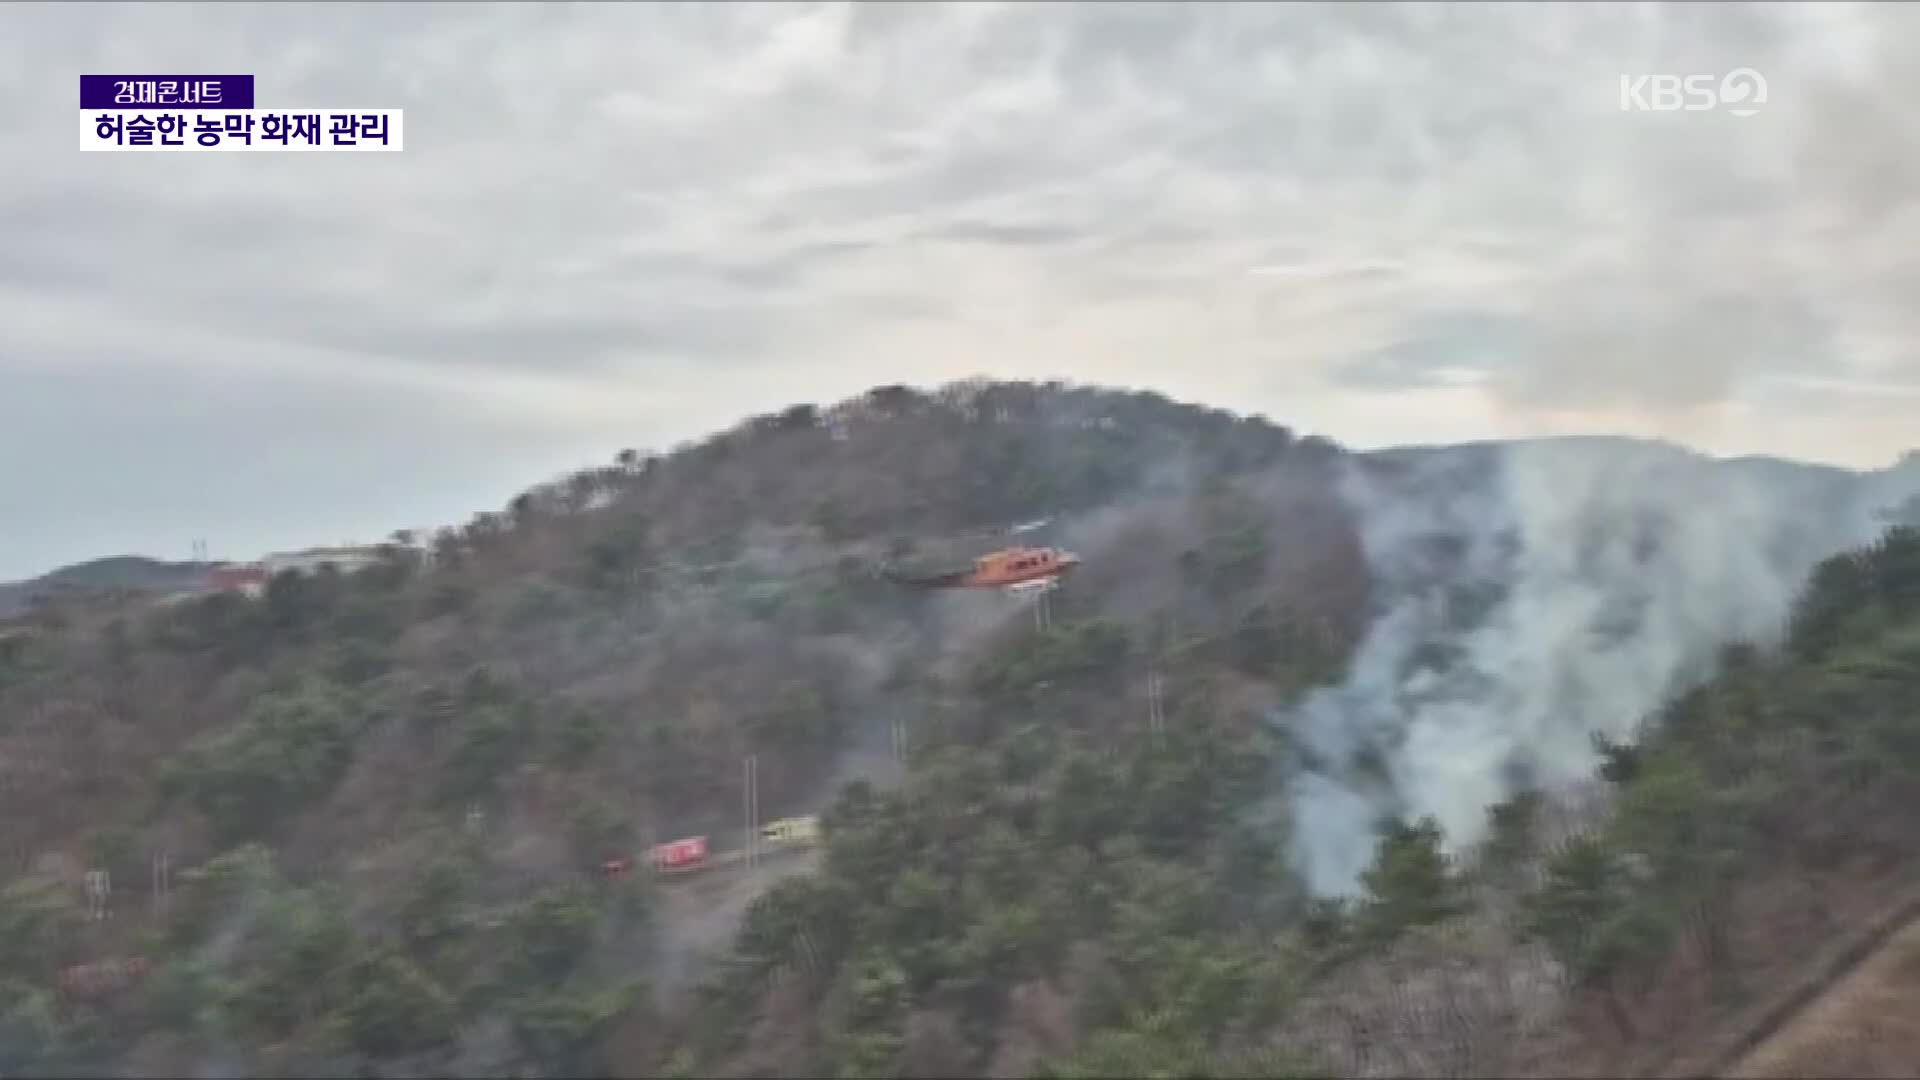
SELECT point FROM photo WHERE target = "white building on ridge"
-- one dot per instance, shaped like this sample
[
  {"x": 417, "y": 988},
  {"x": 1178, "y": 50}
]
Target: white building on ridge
[{"x": 345, "y": 559}]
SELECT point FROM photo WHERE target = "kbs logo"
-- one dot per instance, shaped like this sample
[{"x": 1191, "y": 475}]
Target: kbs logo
[{"x": 1741, "y": 92}]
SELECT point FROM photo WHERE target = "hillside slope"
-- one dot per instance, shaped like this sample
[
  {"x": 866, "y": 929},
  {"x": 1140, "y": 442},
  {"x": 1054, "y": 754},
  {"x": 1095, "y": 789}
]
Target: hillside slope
[
  {"x": 1762, "y": 817},
  {"x": 122, "y": 573},
  {"x": 567, "y": 680},
  {"x": 1074, "y": 848}
]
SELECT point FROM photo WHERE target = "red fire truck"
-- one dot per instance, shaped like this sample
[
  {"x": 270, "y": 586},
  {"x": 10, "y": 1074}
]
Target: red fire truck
[{"x": 679, "y": 856}]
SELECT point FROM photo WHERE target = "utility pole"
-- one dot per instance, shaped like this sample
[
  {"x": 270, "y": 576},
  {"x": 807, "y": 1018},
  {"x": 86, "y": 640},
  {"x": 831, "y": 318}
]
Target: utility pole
[
  {"x": 162, "y": 872},
  {"x": 751, "y": 794},
  {"x": 1156, "y": 712},
  {"x": 650, "y": 837},
  {"x": 1156, "y": 685},
  {"x": 99, "y": 888}
]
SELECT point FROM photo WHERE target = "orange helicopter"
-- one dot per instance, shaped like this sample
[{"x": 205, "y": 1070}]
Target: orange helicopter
[{"x": 1020, "y": 569}]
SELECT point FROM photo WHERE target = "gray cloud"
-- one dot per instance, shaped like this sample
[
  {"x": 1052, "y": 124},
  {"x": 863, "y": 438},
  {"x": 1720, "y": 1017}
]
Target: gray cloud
[
  {"x": 1439, "y": 350},
  {"x": 624, "y": 224}
]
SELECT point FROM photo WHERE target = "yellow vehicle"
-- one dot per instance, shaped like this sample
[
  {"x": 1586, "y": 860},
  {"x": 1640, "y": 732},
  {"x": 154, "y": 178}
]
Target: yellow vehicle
[{"x": 791, "y": 832}]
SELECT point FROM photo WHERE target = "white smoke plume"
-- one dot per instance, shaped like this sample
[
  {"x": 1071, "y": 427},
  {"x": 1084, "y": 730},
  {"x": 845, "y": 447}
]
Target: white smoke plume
[{"x": 1529, "y": 595}]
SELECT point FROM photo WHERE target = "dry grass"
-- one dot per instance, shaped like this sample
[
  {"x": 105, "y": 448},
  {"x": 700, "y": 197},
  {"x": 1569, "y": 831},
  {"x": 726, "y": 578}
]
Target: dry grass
[
  {"x": 1786, "y": 933},
  {"x": 1865, "y": 1025}
]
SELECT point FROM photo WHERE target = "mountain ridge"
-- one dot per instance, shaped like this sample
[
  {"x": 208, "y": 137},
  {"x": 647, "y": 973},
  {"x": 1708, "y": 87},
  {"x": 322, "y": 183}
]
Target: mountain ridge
[
  {"x": 131, "y": 572},
  {"x": 143, "y": 572},
  {"x": 1095, "y": 833}
]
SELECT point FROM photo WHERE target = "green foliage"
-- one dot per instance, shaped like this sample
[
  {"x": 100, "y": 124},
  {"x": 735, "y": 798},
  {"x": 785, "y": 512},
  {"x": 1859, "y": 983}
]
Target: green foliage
[
  {"x": 367, "y": 619},
  {"x": 1229, "y": 562},
  {"x": 1171, "y": 970},
  {"x": 577, "y": 735},
  {"x": 431, "y": 915},
  {"x": 1775, "y": 759},
  {"x": 294, "y": 600},
  {"x": 547, "y": 935},
  {"x": 297, "y": 948},
  {"x": 356, "y": 662},
  {"x": 288, "y": 750},
  {"x": 1590, "y": 915},
  {"x": 867, "y": 1042},
  {"x": 532, "y": 636},
  {"x": 832, "y": 517},
  {"x": 259, "y": 961},
  {"x": 231, "y": 880},
  {"x": 490, "y": 740},
  {"x": 1510, "y": 831},
  {"x": 392, "y": 1007},
  {"x": 434, "y": 706},
  {"x": 1065, "y": 655},
  {"x": 683, "y": 1065},
  {"x": 535, "y": 603},
  {"x": 1262, "y": 641},
  {"x": 1858, "y": 589},
  {"x": 39, "y": 927},
  {"x": 179, "y": 994},
  {"x": 225, "y": 625},
  {"x": 599, "y": 829},
  {"x": 952, "y": 892},
  {"x": 449, "y": 596},
  {"x": 1619, "y": 762},
  {"x": 1410, "y": 882},
  {"x": 289, "y": 968},
  {"x": 800, "y": 925},
  {"x": 111, "y": 848},
  {"x": 796, "y": 718},
  {"x": 1090, "y": 805},
  {"x": 562, "y": 1031},
  {"x": 22, "y": 657},
  {"x": 1327, "y": 924},
  {"x": 34, "y": 1039}
]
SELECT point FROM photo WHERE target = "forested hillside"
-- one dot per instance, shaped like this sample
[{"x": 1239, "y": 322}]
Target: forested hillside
[
  {"x": 1132, "y": 919},
  {"x": 1052, "y": 848},
  {"x": 104, "y": 579},
  {"x": 366, "y": 784}
]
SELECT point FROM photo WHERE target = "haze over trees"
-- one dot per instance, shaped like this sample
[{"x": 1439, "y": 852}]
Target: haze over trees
[{"x": 386, "y": 796}]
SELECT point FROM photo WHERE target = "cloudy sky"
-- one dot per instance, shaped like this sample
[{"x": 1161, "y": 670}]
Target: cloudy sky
[{"x": 625, "y": 225}]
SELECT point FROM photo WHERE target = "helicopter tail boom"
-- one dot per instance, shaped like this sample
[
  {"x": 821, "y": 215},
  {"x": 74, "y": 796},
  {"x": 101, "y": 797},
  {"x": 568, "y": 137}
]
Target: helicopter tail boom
[{"x": 931, "y": 581}]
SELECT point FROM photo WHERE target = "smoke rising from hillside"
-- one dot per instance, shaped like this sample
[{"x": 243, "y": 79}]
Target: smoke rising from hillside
[{"x": 1532, "y": 594}]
